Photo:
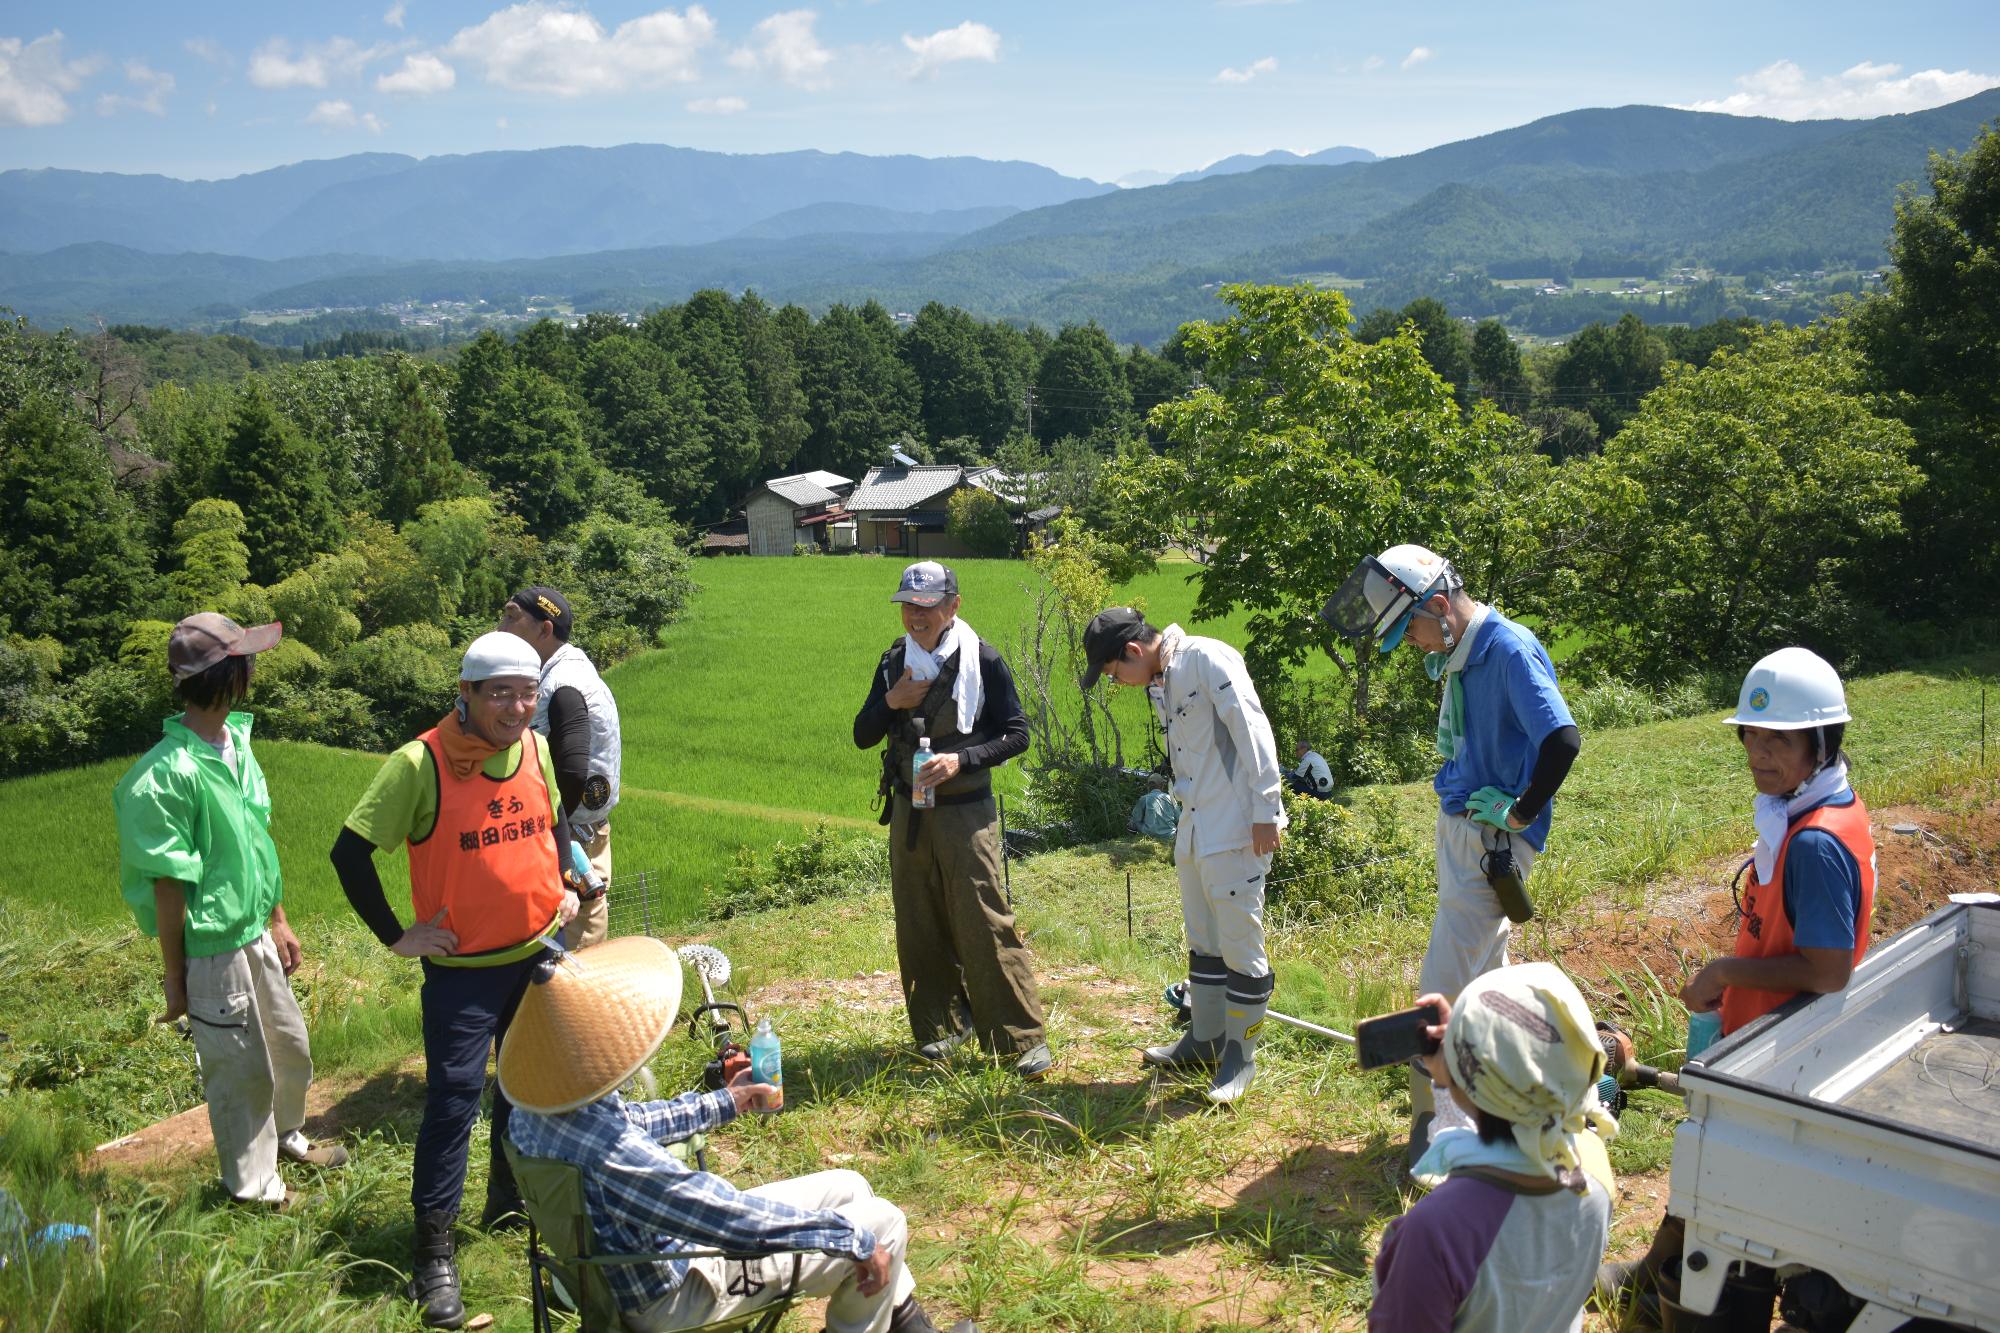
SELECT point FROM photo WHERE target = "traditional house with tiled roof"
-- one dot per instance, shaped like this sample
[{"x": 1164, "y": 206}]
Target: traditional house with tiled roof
[{"x": 800, "y": 510}]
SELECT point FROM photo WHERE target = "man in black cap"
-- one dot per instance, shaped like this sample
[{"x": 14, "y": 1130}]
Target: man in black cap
[
  {"x": 1230, "y": 789},
  {"x": 575, "y": 710},
  {"x": 955, "y": 939}
]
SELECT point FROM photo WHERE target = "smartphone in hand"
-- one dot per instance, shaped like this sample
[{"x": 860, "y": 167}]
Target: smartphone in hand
[{"x": 1392, "y": 1039}]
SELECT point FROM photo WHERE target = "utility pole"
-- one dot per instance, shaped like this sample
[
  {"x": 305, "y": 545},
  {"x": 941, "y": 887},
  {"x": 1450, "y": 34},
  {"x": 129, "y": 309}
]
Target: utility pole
[{"x": 1030, "y": 395}]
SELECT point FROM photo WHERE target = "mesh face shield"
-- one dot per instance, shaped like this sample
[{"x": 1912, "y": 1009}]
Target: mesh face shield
[{"x": 1374, "y": 603}]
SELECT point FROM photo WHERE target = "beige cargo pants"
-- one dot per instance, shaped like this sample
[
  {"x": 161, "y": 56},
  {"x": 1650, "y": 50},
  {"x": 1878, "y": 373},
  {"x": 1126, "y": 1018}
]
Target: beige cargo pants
[{"x": 255, "y": 1061}]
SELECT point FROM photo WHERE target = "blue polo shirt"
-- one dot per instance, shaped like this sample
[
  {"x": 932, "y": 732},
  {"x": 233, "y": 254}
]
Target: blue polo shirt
[
  {"x": 1822, "y": 885},
  {"x": 1511, "y": 706}
]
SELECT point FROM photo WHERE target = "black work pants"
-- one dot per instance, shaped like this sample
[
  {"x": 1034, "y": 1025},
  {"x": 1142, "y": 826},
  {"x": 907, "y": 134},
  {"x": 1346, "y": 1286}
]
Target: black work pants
[{"x": 466, "y": 1013}]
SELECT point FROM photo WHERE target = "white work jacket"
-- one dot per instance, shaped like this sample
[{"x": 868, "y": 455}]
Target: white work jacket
[
  {"x": 1313, "y": 768},
  {"x": 1226, "y": 771}
]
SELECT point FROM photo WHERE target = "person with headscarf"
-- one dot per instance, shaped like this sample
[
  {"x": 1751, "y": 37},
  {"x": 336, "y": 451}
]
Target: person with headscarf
[
  {"x": 1519, "y": 1210},
  {"x": 1806, "y": 901},
  {"x": 588, "y": 1024},
  {"x": 965, "y": 969}
]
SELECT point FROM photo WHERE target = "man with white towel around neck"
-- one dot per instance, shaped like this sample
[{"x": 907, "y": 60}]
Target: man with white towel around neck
[{"x": 965, "y": 971}]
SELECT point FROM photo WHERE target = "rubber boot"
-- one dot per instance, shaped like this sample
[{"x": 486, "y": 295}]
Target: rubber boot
[
  {"x": 1200, "y": 1047},
  {"x": 434, "y": 1276},
  {"x": 1244, "y": 1004},
  {"x": 1422, "y": 1112},
  {"x": 909, "y": 1317}
]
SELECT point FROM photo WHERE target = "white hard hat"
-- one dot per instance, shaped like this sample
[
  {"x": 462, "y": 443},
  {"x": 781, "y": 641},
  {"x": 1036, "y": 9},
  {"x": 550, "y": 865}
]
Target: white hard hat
[
  {"x": 1790, "y": 690},
  {"x": 1379, "y": 596},
  {"x": 498, "y": 653}
]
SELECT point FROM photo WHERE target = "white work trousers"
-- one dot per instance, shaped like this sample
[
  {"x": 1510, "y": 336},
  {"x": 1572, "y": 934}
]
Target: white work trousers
[
  {"x": 255, "y": 1061},
  {"x": 592, "y": 919},
  {"x": 718, "y": 1289},
  {"x": 1469, "y": 933},
  {"x": 1222, "y": 906}
]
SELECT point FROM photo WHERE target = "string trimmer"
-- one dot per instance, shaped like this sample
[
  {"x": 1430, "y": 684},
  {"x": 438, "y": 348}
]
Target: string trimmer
[
  {"x": 1177, "y": 1001},
  {"x": 711, "y": 966}
]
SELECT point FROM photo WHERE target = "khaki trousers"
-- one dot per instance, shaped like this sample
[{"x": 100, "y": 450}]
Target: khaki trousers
[
  {"x": 1469, "y": 934},
  {"x": 1222, "y": 907},
  {"x": 591, "y": 921},
  {"x": 255, "y": 1061},
  {"x": 955, "y": 936},
  {"x": 717, "y": 1289}
]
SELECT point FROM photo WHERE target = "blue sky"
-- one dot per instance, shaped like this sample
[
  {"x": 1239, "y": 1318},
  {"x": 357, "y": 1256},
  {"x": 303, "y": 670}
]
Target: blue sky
[{"x": 1099, "y": 88}]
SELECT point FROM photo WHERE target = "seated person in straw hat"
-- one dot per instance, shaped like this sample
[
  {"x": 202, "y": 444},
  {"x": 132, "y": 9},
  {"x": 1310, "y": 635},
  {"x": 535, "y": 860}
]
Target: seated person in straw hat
[
  {"x": 1510, "y": 1235},
  {"x": 589, "y": 1022}
]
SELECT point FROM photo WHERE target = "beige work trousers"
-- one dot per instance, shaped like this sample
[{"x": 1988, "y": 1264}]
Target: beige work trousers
[
  {"x": 592, "y": 919},
  {"x": 1222, "y": 907},
  {"x": 721, "y": 1288},
  {"x": 256, "y": 1063},
  {"x": 955, "y": 935},
  {"x": 1469, "y": 934}
]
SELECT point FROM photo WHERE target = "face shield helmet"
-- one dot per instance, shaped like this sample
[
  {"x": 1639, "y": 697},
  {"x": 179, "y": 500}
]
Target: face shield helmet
[{"x": 1379, "y": 597}]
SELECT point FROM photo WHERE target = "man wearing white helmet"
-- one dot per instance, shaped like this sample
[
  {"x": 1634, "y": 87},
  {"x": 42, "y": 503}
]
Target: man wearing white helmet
[
  {"x": 1807, "y": 893},
  {"x": 1507, "y": 741},
  {"x": 472, "y": 799}
]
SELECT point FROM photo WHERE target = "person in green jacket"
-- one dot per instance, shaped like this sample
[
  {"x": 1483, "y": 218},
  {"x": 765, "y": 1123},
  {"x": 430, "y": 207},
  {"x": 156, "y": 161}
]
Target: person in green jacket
[{"x": 199, "y": 870}]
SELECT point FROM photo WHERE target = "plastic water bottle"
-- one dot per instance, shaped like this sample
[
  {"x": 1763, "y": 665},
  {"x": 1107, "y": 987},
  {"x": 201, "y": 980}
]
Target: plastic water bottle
[
  {"x": 921, "y": 797},
  {"x": 1704, "y": 1027},
  {"x": 767, "y": 1064}
]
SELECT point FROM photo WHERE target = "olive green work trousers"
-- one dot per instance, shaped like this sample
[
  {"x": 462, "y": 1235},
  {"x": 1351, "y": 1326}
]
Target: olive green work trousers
[{"x": 955, "y": 935}]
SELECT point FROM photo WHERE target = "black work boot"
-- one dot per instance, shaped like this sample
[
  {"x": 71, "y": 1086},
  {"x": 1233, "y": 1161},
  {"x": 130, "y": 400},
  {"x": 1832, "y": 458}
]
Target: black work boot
[
  {"x": 503, "y": 1212},
  {"x": 434, "y": 1274},
  {"x": 909, "y": 1317}
]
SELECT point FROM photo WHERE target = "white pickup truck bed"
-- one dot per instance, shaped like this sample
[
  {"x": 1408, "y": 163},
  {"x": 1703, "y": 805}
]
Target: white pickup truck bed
[{"x": 1859, "y": 1134}]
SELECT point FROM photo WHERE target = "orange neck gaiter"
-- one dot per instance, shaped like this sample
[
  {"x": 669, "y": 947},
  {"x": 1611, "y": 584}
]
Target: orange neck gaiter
[{"x": 463, "y": 750}]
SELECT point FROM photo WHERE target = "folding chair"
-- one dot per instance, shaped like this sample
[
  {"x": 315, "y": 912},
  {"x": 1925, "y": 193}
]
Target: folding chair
[{"x": 562, "y": 1245}]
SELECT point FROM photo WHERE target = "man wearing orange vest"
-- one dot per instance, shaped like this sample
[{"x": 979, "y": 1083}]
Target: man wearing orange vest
[
  {"x": 1805, "y": 909},
  {"x": 473, "y": 800}
]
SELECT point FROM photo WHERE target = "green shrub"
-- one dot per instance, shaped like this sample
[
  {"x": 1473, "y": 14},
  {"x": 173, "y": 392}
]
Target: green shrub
[
  {"x": 824, "y": 864},
  {"x": 1339, "y": 859}
]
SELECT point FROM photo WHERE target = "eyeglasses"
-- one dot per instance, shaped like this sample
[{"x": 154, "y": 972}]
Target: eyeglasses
[{"x": 506, "y": 697}]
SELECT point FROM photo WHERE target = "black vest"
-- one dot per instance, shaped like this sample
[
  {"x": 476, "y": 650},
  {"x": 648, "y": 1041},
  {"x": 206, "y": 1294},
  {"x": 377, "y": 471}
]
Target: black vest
[{"x": 935, "y": 716}]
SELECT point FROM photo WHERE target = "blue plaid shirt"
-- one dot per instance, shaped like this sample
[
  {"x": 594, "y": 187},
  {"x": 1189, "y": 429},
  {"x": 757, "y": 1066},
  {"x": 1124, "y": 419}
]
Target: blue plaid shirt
[{"x": 641, "y": 1198}]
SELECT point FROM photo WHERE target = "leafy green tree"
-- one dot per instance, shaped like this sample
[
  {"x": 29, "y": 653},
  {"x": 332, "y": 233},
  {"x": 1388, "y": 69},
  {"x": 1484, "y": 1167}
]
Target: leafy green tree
[
  {"x": 1933, "y": 336},
  {"x": 1729, "y": 516},
  {"x": 523, "y": 431},
  {"x": 274, "y": 476},
  {"x": 1496, "y": 364},
  {"x": 316, "y": 603},
  {"x": 214, "y": 560},
  {"x": 863, "y": 397},
  {"x": 396, "y": 586},
  {"x": 627, "y": 574},
  {"x": 979, "y": 519},
  {"x": 185, "y": 427},
  {"x": 73, "y": 562},
  {"x": 416, "y": 464},
  {"x": 775, "y": 379},
  {"x": 1081, "y": 385},
  {"x": 642, "y": 416},
  {"x": 1305, "y": 450},
  {"x": 1153, "y": 379},
  {"x": 942, "y": 349},
  {"x": 547, "y": 346},
  {"x": 1607, "y": 371}
]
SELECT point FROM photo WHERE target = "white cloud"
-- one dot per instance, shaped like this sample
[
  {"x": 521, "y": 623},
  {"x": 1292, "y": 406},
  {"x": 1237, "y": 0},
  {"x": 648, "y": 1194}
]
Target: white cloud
[
  {"x": 34, "y": 79},
  {"x": 1268, "y": 65},
  {"x": 500, "y": 123},
  {"x": 717, "y": 106},
  {"x": 394, "y": 15},
  {"x": 340, "y": 115},
  {"x": 273, "y": 66},
  {"x": 420, "y": 76},
  {"x": 968, "y": 41},
  {"x": 1783, "y": 90},
  {"x": 150, "y": 89},
  {"x": 536, "y": 47},
  {"x": 1372, "y": 63},
  {"x": 786, "y": 45},
  {"x": 206, "y": 49},
  {"x": 1418, "y": 55}
]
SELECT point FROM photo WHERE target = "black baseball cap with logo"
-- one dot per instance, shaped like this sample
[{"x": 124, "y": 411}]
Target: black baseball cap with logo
[
  {"x": 548, "y": 605},
  {"x": 1106, "y": 636}
]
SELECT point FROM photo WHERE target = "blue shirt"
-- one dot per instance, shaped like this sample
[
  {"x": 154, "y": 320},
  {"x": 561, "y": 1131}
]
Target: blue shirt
[
  {"x": 642, "y": 1199},
  {"x": 1511, "y": 706},
  {"x": 1822, "y": 885}
]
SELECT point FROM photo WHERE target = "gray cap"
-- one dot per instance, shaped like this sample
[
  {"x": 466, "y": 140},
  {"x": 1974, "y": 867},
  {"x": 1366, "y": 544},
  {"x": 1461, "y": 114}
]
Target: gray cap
[
  {"x": 204, "y": 639},
  {"x": 926, "y": 583}
]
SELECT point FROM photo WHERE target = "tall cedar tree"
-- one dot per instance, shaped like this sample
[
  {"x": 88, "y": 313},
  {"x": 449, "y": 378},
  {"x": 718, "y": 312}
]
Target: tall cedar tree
[
  {"x": 73, "y": 563},
  {"x": 276, "y": 477},
  {"x": 772, "y": 373},
  {"x": 1081, "y": 385},
  {"x": 417, "y": 466},
  {"x": 863, "y": 398}
]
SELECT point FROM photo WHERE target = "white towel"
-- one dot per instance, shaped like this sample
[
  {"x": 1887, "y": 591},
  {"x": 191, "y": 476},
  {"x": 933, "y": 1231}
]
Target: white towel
[
  {"x": 1773, "y": 814},
  {"x": 969, "y": 690}
]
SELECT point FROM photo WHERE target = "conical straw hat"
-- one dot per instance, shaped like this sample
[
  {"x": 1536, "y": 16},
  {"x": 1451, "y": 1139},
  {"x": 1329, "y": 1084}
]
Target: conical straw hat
[{"x": 588, "y": 1022}]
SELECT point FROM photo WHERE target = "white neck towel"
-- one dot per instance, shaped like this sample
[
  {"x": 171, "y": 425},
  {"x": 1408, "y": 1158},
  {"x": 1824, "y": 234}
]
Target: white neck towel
[
  {"x": 968, "y": 691},
  {"x": 1773, "y": 814}
]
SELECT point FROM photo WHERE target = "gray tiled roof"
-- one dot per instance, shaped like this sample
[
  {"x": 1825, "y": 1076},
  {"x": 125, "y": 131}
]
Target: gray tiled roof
[
  {"x": 801, "y": 490},
  {"x": 832, "y": 481},
  {"x": 891, "y": 489}
]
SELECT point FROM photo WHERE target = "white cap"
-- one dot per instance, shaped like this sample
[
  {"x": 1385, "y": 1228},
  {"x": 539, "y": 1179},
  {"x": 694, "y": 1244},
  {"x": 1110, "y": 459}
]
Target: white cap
[
  {"x": 1790, "y": 690},
  {"x": 498, "y": 653}
]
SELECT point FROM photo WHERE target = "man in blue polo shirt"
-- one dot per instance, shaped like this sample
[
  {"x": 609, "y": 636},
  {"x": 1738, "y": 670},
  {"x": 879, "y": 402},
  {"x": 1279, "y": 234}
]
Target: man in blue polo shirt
[{"x": 1507, "y": 741}]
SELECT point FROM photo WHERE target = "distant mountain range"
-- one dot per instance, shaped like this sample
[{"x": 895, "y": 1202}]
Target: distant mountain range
[
  {"x": 511, "y": 205},
  {"x": 1278, "y": 157},
  {"x": 1625, "y": 190}
]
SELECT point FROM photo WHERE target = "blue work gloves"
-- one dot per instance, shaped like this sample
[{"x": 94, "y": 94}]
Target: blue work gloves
[{"x": 1490, "y": 805}]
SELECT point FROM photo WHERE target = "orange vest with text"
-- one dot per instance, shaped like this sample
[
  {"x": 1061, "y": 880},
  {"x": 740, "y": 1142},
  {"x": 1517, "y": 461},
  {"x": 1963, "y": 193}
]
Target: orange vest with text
[
  {"x": 1766, "y": 932},
  {"x": 489, "y": 863}
]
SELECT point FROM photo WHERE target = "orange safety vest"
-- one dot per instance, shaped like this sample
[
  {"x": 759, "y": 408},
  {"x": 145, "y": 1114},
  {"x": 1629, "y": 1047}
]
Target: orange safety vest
[
  {"x": 1766, "y": 932},
  {"x": 489, "y": 862}
]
